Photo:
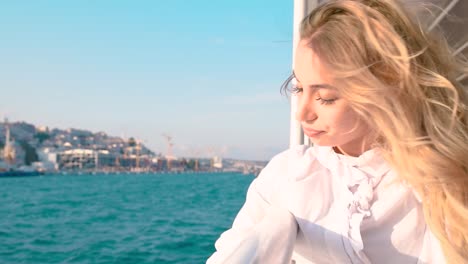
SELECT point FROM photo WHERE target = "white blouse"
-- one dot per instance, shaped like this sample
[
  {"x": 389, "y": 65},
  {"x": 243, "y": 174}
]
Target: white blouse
[{"x": 312, "y": 205}]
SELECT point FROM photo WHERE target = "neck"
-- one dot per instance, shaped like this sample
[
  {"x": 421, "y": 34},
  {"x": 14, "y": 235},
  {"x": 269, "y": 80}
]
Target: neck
[
  {"x": 354, "y": 149},
  {"x": 341, "y": 151}
]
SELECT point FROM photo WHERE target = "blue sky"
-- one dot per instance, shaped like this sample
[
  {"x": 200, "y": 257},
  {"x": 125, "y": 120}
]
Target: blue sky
[{"x": 206, "y": 72}]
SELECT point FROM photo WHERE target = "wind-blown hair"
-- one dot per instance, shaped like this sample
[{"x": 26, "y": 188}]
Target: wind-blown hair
[{"x": 401, "y": 80}]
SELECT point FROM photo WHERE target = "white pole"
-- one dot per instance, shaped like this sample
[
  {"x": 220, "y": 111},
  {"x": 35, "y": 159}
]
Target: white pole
[
  {"x": 443, "y": 14},
  {"x": 301, "y": 9}
]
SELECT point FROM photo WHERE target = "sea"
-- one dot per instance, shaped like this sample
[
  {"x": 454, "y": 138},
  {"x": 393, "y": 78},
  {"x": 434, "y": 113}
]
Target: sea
[{"x": 120, "y": 218}]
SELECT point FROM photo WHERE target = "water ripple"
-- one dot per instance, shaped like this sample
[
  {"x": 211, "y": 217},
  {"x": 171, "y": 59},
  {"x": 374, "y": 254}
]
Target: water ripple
[{"x": 116, "y": 218}]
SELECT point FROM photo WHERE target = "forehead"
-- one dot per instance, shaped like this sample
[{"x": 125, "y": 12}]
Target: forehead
[{"x": 308, "y": 68}]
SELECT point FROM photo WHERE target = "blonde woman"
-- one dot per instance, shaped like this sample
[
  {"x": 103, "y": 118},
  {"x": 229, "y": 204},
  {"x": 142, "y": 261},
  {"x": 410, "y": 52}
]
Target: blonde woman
[{"x": 387, "y": 178}]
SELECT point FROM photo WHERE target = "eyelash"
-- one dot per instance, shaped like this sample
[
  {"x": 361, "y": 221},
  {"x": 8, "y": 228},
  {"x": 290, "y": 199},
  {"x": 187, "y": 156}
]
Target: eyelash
[
  {"x": 326, "y": 101},
  {"x": 297, "y": 90}
]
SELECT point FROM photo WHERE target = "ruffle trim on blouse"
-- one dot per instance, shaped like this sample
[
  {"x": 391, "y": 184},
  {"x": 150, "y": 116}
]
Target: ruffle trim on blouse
[{"x": 360, "y": 176}]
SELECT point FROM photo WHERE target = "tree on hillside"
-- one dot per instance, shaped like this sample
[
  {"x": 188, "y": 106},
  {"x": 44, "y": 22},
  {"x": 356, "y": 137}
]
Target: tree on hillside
[
  {"x": 42, "y": 136},
  {"x": 30, "y": 153},
  {"x": 131, "y": 142}
]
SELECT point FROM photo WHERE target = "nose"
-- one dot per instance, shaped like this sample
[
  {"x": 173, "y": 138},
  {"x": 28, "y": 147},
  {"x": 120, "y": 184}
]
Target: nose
[{"x": 305, "y": 108}]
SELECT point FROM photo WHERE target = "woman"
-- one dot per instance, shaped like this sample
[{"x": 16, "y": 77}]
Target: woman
[{"x": 387, "y": 178}]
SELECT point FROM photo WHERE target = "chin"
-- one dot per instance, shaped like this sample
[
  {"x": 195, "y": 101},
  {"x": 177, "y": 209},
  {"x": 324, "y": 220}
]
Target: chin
[{"x": 322, "y": 143}]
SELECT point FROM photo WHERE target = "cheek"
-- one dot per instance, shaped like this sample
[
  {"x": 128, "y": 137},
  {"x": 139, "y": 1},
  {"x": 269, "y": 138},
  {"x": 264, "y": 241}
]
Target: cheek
[{"x": 343, "y": 121}]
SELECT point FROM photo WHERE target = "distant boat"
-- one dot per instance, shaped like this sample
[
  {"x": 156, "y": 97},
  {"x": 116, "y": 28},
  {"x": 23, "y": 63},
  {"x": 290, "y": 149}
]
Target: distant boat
[{"x": 20, "y": 173}]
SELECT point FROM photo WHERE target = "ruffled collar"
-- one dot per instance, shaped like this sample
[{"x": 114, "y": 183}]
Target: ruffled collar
[
  {"x": 370, "y": 164},
  {"x": 368, "y": 158},
  {"x": 360, "y": 175}
]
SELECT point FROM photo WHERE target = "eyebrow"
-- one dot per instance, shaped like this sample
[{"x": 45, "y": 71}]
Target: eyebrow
[{"x": 316, "y": 86}]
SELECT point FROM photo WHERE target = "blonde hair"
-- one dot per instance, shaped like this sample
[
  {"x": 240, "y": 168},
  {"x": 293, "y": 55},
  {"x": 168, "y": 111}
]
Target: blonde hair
[{"x": 402, "y": 81}]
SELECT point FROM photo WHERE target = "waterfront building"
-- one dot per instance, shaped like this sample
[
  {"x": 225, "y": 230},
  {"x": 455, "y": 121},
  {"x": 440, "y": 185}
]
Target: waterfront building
[
  {"x": 217, "y": 163},
  {"x": 77, "y": 159},
  {"x": 9, "y": 153}
]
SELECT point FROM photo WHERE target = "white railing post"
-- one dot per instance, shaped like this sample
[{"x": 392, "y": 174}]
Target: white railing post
[{"x": 301, "y": 9}]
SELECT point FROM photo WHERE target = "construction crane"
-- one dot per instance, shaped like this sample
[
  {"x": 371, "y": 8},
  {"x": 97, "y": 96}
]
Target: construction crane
[{"x": 169, "y": 150}]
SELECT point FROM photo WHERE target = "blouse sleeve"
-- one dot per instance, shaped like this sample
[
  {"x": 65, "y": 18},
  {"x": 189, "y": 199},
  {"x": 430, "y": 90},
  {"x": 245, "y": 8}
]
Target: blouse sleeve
[
  {"x": 431, "y": 251},
  {"x": 263, "y": 231}
]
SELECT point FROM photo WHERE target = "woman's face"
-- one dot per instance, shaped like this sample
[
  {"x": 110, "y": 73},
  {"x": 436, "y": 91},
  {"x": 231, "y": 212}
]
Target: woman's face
[{"x": 326, "y": 118}]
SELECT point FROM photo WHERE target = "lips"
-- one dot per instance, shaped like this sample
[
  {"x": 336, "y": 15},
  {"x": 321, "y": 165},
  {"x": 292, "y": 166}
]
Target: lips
[{"x": 312, "y": 132}]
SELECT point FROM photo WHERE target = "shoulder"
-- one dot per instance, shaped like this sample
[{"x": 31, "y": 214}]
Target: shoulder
[
  {"x": 294, "y": 173},
  {"x": 297, "y": 160},
  {"x": 290, "y": 165},
  {"x": 289, "y": 159},
  {"x": 291, "y": 154}
]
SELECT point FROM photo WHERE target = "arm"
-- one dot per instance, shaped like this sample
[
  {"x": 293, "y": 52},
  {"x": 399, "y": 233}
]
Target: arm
[{"x": 263, "y": 231}]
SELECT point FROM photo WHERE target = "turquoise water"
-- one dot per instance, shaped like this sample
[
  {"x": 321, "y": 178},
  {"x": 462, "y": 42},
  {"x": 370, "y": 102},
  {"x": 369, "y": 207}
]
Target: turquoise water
[{"x": 167, "y": 218}]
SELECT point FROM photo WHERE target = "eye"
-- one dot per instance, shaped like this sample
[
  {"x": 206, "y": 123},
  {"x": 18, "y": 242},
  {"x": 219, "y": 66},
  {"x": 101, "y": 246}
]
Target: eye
[
  {"x": 296, "y": 87},
  {"x": 296, "y": 90},
  {"x": 326, "y": 101}
]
